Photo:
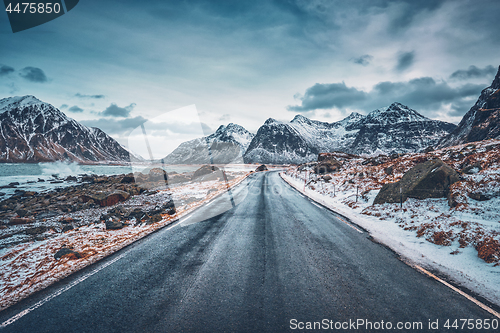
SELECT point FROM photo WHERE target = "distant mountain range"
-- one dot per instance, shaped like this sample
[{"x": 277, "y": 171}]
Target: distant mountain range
[
  {"x": 33, "y": 131},
  {"x": 395, "y": 128},
  {"x": 482, "y": 121}
]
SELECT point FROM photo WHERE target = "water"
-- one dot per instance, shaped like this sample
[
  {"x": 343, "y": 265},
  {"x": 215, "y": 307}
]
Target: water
[{"x": 29, "y": 174}]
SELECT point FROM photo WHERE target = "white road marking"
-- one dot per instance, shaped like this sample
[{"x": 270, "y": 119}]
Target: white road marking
[
  {"x": 470, "y": 298},
  {"x": 315, "y": 204},
  {"x": 62, "y": 290},
  {"x": 341, "y": 219},
  {"x": 57, "y": 293}
]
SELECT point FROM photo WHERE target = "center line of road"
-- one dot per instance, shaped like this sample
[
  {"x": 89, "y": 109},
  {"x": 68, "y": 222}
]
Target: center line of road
[{"x": 470, "y": 298}]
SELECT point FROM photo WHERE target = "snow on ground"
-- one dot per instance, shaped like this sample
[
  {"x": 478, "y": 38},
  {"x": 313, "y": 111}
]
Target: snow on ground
[
  {"x": 461, "y": 242},
  {"x": 30, "y": 267}
]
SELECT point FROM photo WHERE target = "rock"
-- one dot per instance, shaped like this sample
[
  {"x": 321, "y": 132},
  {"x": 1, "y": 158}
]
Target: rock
[
  {"x": 114, "y": 223},
  {"x": 326, "y": 178},
  {"x": 66, "y": 220},
  {"x": 128, "y": 179},
  {"x": 67, "y": 228},
  {"x": 14, "y": 184},
  {"x": 472, "y": 169},
  {"x": 21, "y": 212},
  {"x": 71, "y": 179},
  {"x": 21, "y": 220},
  {"x": 105, "y": 199},
  {"x": 35, "y": 231},
  {"x": 29, "y": 194},
  {"x": 157, "y": 174},
  {"x": 431, "y": 179},
  {"x": 377, "y": 160},
  {"x": 327, "y": 166},
  {"x": 87, "y": 179},
  {"x": 478, "y": 196},
  {"x": 262, "y": 167},
  {"x": 40, "y": 180},
  {"x": 205, "y": 170},
  {"x": 177, "y": 178},
  {"x": 155, "y": 218},
  {"x": 389, "y": 170},
  {"x": 67, "y": 252}
]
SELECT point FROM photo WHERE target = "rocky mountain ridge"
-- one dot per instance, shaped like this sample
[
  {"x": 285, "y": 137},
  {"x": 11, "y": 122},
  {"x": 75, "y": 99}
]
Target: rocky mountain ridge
[
  {"x": 482, "y": 121},
  {"x": 33, "y": 131}
]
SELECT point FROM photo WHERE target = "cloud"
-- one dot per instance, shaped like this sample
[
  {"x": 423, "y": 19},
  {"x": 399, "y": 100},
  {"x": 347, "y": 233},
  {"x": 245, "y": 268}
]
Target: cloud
[
  {"x": 115, "y": 127},
  {"x": 89, "y": 96},
  {"x": 206, "y": 129},
  {"x": 64, "y": 106},
  {"x": 364, "y": 60},
  {"x": 327, "y": 96},
  {"x": 115, "y": 111},
  {"x": 473, "y": 72},
  {"x": 405, "y": 60},
  {"x": 75, "y": 109},
  {"x": 423, "y": 94},
  {"x": 5, "y": 70},
  {"x": 225, "y": 117},
  {"x": 33, "y": 74}
]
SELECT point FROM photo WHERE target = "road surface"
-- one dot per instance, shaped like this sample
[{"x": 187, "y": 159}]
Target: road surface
[{"x": 270, "y": 263}]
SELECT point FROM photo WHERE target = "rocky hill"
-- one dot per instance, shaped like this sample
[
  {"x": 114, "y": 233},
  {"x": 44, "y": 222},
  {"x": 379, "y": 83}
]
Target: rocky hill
[
  {"x": 34, "y": 131},
  {"x": 227, "y": 145},
  {"x": 482, "y": 121}
]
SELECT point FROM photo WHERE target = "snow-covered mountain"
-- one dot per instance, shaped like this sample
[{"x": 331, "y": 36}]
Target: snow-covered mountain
[
  {"x": 482, "y": 121},
  {"x": 35, "y": 131},
  {"x": 395, "y": 128},
  {"x": 227, "y": 145}
]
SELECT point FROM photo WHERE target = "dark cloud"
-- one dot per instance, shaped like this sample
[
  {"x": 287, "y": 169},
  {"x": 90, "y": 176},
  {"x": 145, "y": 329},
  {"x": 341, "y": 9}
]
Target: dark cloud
[
  {"x": 423, "y": 94},
  {"x": 115, "y": 111},
  {"x": 5, "y": 70},
  {"x": 89, "y": 96},
  {"x": 405, "y": 60},
  {"x": 33, "y": 74},
  {"x": 327, "y": 96},
  {"x": 364, "y": 60},
  {"x": 473, "y": 72},
  {"x": 75, "y": 109},
  {"x": 115, "y": 127}
]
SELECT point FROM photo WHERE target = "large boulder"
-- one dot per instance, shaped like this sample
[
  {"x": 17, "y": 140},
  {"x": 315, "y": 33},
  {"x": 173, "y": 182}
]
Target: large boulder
[
  {"x": 431, "y": 179},
  {"x": 157, "y": 174},
  {"x": 262, "y": 167},
  {"x": 105, "y": 199},
  {"x": 327, "y": 166},
  {"x": 205, "y": 170}
]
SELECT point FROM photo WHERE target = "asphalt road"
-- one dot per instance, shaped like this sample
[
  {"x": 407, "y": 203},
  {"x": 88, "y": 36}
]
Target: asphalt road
[{"x": 273, "y": 257}]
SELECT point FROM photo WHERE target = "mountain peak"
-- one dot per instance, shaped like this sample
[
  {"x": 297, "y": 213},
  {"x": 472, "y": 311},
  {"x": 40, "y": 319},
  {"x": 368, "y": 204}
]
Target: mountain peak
[
  {"x": 496, "y": 82},
  {"x": 271, "y": 121},
  {"x": 18, "y": 101},
  {"x": 394, "y": 113},
  {"x": 300, "y": 119}
]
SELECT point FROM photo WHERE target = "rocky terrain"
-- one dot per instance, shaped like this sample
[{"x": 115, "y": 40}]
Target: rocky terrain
[
  {"x": 449, "y": 197},
  {"x": 47, "y": 236},
  {"x": 33, "y": 131},
  {"x": 482, "y": 121}
]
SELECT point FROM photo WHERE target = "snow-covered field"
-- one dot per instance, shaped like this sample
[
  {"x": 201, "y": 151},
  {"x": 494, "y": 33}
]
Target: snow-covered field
[
  {"x": 29, "y": 267},
  {"x": 462, "y": 243}
]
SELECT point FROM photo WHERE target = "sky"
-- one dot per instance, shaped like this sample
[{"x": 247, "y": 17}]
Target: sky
[{"x": 115, "y": 64}]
